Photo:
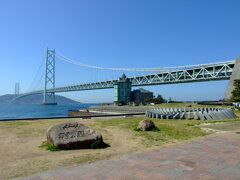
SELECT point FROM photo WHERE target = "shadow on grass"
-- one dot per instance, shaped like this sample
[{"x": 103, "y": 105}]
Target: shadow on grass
[
  {"x": 156, "y": 129},
  {"x": 96, "y": 145}
]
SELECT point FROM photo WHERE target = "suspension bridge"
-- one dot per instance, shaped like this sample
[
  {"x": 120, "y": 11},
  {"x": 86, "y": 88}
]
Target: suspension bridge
[{"x": 227, "y": 70}]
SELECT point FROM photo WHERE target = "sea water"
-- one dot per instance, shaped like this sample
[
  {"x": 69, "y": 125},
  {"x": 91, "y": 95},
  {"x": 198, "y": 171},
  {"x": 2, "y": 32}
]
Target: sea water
[{"x": 14, "y": 111}]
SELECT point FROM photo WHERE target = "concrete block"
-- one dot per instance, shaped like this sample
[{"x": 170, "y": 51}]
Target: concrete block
[
  {"x": 206, "y": 115},
  {"x": 188, "y": 115},
  {"x": 176, "y": 116},
  {"x": 201, "y": 116},
  {"x": 182, "y": 115},
  {"x": 195, "y": 116},
  {"x": 212, "y": 115}
]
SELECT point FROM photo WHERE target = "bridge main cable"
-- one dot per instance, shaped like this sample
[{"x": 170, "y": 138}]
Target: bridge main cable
[{"x": 68, "y": 60}]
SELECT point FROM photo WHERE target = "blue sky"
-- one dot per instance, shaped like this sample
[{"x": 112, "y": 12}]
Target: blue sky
[{"x": 110, "y": 33}]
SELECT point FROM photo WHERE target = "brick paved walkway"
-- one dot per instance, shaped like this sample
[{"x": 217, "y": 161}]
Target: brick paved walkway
[{"x": 213, "y": 157}]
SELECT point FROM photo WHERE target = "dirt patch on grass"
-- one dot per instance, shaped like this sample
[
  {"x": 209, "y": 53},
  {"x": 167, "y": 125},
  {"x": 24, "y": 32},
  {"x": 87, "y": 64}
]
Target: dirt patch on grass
[
  {"x": 20, "y": 154},
  {"x": 222, "y": 126}
]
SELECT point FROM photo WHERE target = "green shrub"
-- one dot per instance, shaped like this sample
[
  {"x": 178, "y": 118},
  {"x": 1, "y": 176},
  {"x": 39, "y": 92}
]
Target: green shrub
[{"x": 49, "y": 146}]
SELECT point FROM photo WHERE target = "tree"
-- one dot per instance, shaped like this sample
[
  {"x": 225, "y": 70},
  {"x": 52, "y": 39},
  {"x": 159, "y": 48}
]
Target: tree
[
  {"x": 157, "y": 100},
  {"x": 236, "y": 91},
  {"x": 161, "y": 99}
]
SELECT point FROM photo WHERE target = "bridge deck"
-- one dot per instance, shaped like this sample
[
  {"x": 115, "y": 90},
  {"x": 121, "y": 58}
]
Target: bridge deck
[{"x": 213, "y": 72}]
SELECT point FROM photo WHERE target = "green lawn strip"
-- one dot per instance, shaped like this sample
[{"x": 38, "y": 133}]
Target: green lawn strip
[
  {"x": 20, "y": 124},
  {"x": 170, "y": 129},
  {"x": 13, "y": 124}
]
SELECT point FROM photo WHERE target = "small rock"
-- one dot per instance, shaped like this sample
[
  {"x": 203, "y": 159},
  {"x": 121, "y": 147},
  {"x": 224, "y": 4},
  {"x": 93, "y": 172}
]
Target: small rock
[
  {"x": 73, "y": 135},
  {"x": 146, "y": 125}
]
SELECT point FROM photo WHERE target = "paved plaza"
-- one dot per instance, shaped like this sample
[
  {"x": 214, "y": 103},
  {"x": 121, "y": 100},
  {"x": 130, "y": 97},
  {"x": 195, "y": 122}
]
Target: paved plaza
[{"x": 214, "y": 157}]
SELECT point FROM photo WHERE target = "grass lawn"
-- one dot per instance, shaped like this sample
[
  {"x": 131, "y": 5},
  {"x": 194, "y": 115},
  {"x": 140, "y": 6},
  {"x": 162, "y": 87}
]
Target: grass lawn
[
  {"x": 185, "y": 104},
  {"x": 21, "y": 155}
]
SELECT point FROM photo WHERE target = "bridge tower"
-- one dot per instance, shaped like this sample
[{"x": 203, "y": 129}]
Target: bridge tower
[
  {"x": 122, "y": 90},
  {"x": 49, "y": 97},
  {"x": 17, "y": 91}
]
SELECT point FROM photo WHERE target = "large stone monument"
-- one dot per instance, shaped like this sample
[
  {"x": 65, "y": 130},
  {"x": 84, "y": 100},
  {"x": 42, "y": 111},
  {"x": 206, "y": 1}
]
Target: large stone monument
[{"x": 73, "y": 135}]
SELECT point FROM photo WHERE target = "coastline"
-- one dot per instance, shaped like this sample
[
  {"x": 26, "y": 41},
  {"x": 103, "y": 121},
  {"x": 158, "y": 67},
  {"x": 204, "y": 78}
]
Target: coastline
[{"x": 77, "y": 117}]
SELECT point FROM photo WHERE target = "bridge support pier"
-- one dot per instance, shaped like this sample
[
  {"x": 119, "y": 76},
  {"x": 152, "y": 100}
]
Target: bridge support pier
[
  {"x": 49, "y": 97},
  {"x": 235, "y": 75}
]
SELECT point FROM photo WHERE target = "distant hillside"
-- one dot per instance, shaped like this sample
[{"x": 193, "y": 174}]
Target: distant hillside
[{"x": 34, "y": 99}]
